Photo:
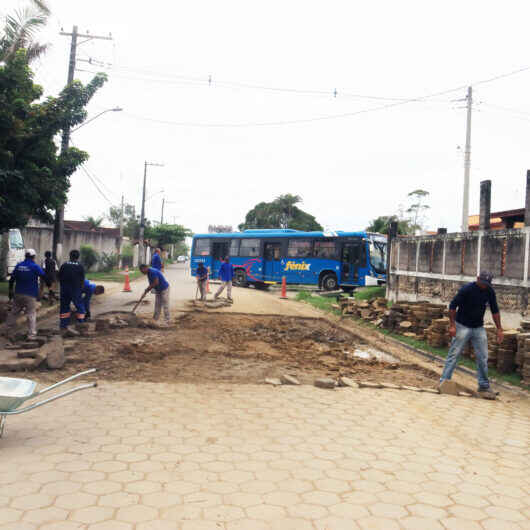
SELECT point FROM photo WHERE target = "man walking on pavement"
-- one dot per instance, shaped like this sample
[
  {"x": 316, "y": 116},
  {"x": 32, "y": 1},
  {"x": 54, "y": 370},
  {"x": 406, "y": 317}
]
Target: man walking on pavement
[
  {"x": 71, "y": 279},
  {"x": 202, "y": 278},
  {"x": 226, "y": 273},
  {"x": 159, "y": 284},
  {"x": 466, "y": 315},
  {"x": 89, "y": 289},
  {"x": 50, "y": 278},
  {"x": 156, "y": 260},
  {"x": 25, "y": 276}
]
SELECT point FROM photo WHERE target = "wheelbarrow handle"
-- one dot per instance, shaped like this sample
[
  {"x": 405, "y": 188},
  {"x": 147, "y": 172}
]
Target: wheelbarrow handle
[
  {"x": 67, "y": 380},
  {"x": 49, "y": 400}
]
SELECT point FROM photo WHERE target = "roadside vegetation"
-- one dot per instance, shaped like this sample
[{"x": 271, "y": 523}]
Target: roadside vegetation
[
  {"x": 368, "y": 293},
  {"x": 113, "y": 276}
]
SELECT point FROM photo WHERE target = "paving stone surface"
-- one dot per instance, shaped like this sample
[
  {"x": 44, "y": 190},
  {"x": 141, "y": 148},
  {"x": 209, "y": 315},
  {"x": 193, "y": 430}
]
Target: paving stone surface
[{"x": 143, "y": 456}]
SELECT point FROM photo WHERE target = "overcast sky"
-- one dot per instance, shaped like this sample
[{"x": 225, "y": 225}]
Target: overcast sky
[{"x": 227, "y": 145}]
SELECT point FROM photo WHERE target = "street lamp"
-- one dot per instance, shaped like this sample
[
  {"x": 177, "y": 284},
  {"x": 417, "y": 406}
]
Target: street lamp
[{"x": 115, "y": 109}]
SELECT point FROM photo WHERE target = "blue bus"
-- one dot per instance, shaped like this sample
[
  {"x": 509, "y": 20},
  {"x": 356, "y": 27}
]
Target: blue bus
[{"x": 262, "y": 257}]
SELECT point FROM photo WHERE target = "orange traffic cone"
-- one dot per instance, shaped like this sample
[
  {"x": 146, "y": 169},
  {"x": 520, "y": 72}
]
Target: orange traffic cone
[
  {"x": 127, "y": 284},
  {"x": 283, "y": 295},
  {"x": 208, "y": 282}
]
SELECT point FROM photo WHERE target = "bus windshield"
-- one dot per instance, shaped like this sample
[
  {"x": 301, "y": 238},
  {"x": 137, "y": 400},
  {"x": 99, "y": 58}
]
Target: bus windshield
[
  {"x": 378, "y": 256},
  {"x": 15, "y": 239}
]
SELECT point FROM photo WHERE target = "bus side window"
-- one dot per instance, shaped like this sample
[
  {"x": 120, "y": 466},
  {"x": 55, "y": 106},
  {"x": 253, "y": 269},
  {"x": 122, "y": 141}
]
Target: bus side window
[
  {"x": 202, "y": 247},
  {"x": 234, "y": 248}
]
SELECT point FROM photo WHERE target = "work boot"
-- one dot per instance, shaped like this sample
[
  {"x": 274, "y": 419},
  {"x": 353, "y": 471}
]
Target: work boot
[{"x": 486, "y": 393}]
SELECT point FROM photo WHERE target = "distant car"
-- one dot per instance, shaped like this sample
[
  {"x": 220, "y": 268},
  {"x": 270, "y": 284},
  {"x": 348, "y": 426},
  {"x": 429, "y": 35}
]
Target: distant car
[{"x": 181, "y": 259}]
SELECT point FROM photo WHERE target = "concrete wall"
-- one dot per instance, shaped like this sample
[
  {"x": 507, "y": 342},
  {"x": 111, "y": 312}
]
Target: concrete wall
[
  {"x": 435, "y": 267},
  {"x": 40, "y": 238}
]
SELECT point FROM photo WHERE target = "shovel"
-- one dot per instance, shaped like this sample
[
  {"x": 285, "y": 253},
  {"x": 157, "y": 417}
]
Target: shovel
[{"x": 138, "y": 303}]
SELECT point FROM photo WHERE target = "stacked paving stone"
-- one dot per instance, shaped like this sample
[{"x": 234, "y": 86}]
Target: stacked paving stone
[
  {"x": 506, "y": 351},
  {"x": 437, "y": 333}
]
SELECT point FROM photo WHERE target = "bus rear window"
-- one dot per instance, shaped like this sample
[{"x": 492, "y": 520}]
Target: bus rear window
[
  {"x": 249, "y": 248},
  {"x": 325, "y": 249},
  {"x": 299, "y": 248},
  {"x": 202, "y": 247}
]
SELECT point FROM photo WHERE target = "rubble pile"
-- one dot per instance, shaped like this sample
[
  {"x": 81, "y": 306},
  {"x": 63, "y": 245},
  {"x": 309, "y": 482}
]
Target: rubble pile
[
  {"x": 506, "y": 352},
  {"x": 522, "y": 357}
]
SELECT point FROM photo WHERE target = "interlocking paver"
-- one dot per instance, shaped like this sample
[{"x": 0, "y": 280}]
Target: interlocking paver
[{"x": 256, "y": 458}]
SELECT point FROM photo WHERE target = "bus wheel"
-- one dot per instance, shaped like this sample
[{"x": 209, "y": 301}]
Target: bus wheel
[
  {"x": 329, "y": 282},
  {"x": 261, "y": 286},
  {"x": 240, "y": 278}
]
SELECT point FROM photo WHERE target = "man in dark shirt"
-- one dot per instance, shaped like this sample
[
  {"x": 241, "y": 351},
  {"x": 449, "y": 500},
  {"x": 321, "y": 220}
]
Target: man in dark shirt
[
  {"x": 466, "y": 314},
  {"x": 202, "y": 278},
  {"x": 72, "y": 280},
  {"x": 50, "y": 268}
]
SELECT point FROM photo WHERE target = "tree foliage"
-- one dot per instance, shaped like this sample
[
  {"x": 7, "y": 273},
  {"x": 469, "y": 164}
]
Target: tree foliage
[
  {"x": 20, "y": 31},
  {"x": 381, "y": 225},
  {"x": 131, "y": 221},
  {"x": 94, "y": 222},
  {"x": 418, "y": 208},
  {"x": 34, "y": 177},
  {"x": 282, "y": 212},
  {"x": 164, "y": 234}
]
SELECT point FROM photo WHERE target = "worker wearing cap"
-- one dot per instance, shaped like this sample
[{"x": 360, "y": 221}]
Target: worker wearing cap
[
  {"x": 466, "y": 315},
  {"x": 159, "y": 284},
  {"x": 88, "y": 290},
  {"x": 25, "y": 278},
  {"x": 71, "y": 279}
]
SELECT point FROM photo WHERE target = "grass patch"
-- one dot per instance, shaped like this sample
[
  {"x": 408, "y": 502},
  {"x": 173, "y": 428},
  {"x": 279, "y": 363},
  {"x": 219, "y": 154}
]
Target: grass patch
[
  {"x": 113, "y": 276},
  {"x": 325, "y": 304},
  {"x": 369, "y": 293}
]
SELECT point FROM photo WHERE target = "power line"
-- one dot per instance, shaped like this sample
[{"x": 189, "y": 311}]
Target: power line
[{"x": 95, "y": 184}]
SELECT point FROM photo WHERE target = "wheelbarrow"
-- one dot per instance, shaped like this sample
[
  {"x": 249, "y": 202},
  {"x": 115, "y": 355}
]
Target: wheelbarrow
[{"x": 15, "y": 391}]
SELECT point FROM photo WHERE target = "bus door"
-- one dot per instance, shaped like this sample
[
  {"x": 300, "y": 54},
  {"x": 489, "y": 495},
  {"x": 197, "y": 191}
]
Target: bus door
[
  {"x": 220, "y": 249},
  {"x": 351, "y": 260},
  {"x": 272, "y": 253}
]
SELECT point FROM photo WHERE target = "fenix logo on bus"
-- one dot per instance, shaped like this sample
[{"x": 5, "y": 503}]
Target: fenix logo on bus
[{"x": 293, "y": 266}]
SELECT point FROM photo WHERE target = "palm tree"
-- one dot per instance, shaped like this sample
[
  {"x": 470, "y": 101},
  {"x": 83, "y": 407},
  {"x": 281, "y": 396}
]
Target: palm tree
[
  {"x": 94, "y": 222},
  {"x": 20, "y": 30}
]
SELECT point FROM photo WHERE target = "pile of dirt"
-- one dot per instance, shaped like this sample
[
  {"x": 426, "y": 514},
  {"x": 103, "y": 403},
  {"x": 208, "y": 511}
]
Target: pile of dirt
[{"x": 235, "y": 348}]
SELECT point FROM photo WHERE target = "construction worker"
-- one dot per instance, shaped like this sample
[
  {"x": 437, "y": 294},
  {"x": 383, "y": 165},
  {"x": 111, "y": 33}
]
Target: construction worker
[
  {"x": 50, "y": 278},
  {"x": 25, "y": 278},
  {"x": 156, "y": 260},
  {"x": 90, "y": 289},
  {"x": 202, "y": 278},
  {"x": 159, "y": 284},
  {"x": 226, "y": 273},
  {"x": 72, "y": 280}
]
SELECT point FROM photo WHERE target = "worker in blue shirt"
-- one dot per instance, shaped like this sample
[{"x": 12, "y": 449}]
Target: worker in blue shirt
[
  {"x": 226, "y": 273},
  {"x": 90, "y": 289},
  {"x": 202, "y": 278},
  {"x": 71, "y": 279},
  {"x": 160, "y": 286},
  {"x": 466, "y": 316},
  {"x": 156, "y": 260},
  {"x": 25, "y": 279}
]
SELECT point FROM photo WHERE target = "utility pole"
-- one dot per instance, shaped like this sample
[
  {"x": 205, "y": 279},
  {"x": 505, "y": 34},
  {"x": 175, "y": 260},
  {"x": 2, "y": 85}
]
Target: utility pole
[
  {"x": 141, "y": 250},
  {"x": 58, "y": 229},
  {"x": 120, "y": 261},
  {"x": 467, "y": 162},
  {"x": 162, "y": 214}
]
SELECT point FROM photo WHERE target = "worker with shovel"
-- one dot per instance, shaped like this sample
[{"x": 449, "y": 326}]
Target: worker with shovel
[{"x": 159, "y": 284}]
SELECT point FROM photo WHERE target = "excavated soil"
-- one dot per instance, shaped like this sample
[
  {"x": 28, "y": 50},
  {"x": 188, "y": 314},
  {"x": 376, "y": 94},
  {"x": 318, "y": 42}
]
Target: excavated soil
[{"x": 206, "y": 347}]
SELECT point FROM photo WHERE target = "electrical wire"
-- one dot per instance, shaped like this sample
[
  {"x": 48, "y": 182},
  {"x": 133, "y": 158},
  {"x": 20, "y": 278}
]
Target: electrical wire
[{"x": 95, "y": 184}]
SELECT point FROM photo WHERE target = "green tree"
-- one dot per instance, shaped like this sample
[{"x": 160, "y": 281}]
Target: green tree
[
  {"x": 20, "y": 31},
  {"x": 34, "y": 177},
  {"x": 164, "y": 235},
  {"x": 381, "y": 225},
  {"x": 282, "y": 212},
  {"x": 418, "y": 208},
  {"x": 94, "y": 222},
  {"x": 131, "y": 221}
]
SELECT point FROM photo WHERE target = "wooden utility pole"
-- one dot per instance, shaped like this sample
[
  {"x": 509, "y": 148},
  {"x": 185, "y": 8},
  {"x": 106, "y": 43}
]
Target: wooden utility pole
[{"x": 58, "y": 229}]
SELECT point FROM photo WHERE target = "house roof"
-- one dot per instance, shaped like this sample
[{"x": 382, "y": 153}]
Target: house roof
[
  {"x": 497, "y": 219},
  {"x": 84, "y": 226}
]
